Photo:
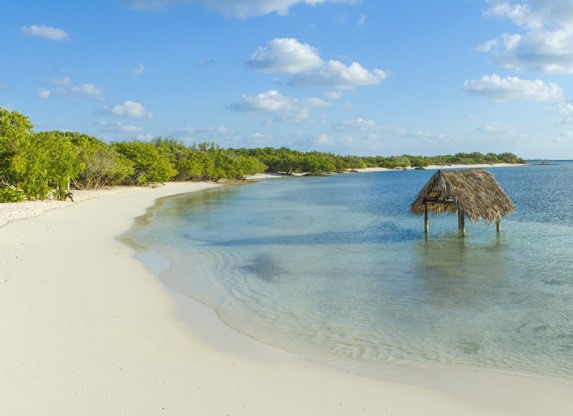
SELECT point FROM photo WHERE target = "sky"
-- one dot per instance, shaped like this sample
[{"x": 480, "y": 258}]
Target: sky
[{"x": 361, "y": 77}]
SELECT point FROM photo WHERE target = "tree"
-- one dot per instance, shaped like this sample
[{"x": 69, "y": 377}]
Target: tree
[
  {"x": 149, "y": 165},
  {"x": 15, "y": 131},
  {"x": 98, "y": 163},
  {"x": 44, "y": 163}
]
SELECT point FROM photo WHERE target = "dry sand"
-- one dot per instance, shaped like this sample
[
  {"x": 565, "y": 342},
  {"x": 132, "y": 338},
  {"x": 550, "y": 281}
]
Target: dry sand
[{"x": 86, "y": 329}]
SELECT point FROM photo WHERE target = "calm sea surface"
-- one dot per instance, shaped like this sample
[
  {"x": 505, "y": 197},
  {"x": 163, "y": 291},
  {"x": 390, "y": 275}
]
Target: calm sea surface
[{"x": 336, "y": 267}]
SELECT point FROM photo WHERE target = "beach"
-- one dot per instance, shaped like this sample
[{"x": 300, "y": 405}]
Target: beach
[{"x": 87, "y": 329}]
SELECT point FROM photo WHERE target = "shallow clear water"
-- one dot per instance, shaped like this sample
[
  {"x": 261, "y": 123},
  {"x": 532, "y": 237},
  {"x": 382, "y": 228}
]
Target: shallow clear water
[{"x": 337, "y": 267}]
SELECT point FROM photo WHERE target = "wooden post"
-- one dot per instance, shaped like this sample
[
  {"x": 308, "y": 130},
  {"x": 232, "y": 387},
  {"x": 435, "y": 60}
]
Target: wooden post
[
  {"x": 498, "y": 226},
  {"x": 426, "y": 223},
  {"x": 462, "y": 222}
]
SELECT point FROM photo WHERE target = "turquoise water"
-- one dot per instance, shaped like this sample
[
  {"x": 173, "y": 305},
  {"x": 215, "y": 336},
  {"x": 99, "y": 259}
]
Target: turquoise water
[{"x": 335, "y": 267}]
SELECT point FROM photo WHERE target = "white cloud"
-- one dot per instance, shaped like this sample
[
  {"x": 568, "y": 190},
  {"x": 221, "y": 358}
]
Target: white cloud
[
  {"x": 533, "y": 13},
  {"x": 88, "y": 90},
  {"x": 46, "y": 32},
  {"x": 234, "y": 8},
  {"x": 138, "y": 70},
  {"x": 566, "y": 109},
  {"x": 44, "y": 93},
  {"x": 546, "y": 45},
  {"x": 539, "y": 50},
  {"x": 362, "y": 19},
  {"x": 281, "y": 107},
  {"x": 130, "y": 109},
  {"x": 118, "y": 127},
  {"x": 287, "y": 56},
  {"x": 514, "y": 89},
  {"x": 65, "y": 87},
  {"x": 336, "y": 74},
  {"x": 303, "y": 62}
]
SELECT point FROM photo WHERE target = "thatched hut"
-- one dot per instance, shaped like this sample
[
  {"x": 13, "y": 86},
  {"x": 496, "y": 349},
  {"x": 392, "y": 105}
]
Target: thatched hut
[{"x": 473, "y": 193}]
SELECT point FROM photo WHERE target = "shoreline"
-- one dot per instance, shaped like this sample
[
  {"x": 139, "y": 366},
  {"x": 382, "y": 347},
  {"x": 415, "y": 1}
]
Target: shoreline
[
  {"x": 453, "y": 166},
  {"x": 88, "y": 329}
]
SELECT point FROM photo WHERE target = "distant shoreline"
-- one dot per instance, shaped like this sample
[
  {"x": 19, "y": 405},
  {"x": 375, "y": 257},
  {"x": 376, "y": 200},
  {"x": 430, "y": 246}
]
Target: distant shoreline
[{"x": 452, "y": 166}]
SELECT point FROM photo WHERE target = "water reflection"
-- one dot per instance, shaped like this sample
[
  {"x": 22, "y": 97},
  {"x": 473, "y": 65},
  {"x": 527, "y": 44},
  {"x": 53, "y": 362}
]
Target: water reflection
[{"x": 454, "y": 272}]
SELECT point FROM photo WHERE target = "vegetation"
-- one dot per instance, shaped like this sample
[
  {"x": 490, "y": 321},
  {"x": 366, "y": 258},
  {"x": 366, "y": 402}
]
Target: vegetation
[
  {"x": 288, "y": 161},
  {"x": 48, "y": 164}
]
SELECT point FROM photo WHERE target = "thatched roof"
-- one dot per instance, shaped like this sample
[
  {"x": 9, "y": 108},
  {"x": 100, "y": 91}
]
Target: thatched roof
[{"x": 475, "y": 191}]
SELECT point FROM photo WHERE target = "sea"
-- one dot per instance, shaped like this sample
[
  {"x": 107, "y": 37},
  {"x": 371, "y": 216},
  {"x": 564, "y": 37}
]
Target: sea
[{"x": 337, "y": 270}]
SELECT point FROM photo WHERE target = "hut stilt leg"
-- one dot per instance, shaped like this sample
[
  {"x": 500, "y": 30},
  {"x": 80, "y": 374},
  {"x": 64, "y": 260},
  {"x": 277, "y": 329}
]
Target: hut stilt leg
[
  {"x": 426, "y": 222},
  {"x": 462, "y": 222},
  {"x": 498, "y": 227}
]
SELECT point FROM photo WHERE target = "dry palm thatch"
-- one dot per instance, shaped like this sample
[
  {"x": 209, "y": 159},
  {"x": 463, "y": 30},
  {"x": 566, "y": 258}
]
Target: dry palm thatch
[{"x": 474, "y": 192}]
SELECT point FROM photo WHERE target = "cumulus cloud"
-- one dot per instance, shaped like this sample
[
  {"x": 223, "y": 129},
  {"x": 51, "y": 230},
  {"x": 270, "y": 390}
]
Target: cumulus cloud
[
  {"x": 130, "y": 109},
  {"x": 532, "y": 13},
  {"x": 336, "y": 74},
  {"x": 514, "y": 89},
  {"x": 546, "y": 41},
  {"x": 281, "y": 107},
  {"x": 232, "y": 8},
  {"x": 539, "y": 50},
  {"x": 287, "y": 56},
  {"x": 307, "y": 68},
  {"x": 46, "y": 32}
]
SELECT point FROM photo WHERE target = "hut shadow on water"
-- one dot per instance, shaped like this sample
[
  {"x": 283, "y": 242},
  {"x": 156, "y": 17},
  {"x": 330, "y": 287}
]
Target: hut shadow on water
[{"x": 456, "y": 273}]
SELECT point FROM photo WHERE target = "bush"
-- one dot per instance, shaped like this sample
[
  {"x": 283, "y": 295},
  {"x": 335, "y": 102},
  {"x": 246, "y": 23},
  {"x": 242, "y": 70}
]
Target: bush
[{"x": 11, "y": 195}]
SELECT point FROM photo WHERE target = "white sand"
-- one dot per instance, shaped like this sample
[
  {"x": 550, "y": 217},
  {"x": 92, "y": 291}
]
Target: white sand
[{"x": 86, "y": 329}]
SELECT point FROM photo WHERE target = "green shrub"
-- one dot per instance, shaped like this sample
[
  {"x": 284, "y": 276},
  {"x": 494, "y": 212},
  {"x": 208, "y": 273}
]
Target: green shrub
[{"x": 11, "y": 195}]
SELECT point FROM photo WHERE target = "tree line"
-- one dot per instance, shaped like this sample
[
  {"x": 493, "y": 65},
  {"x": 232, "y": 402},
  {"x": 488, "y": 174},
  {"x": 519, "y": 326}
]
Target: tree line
[
  {"x": 289, "y": 161},
  {"x": 37, "y": 165}
]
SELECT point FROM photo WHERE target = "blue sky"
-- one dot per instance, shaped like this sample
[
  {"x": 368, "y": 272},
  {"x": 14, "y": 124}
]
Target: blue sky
[{"x": 360, "y": 77}]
